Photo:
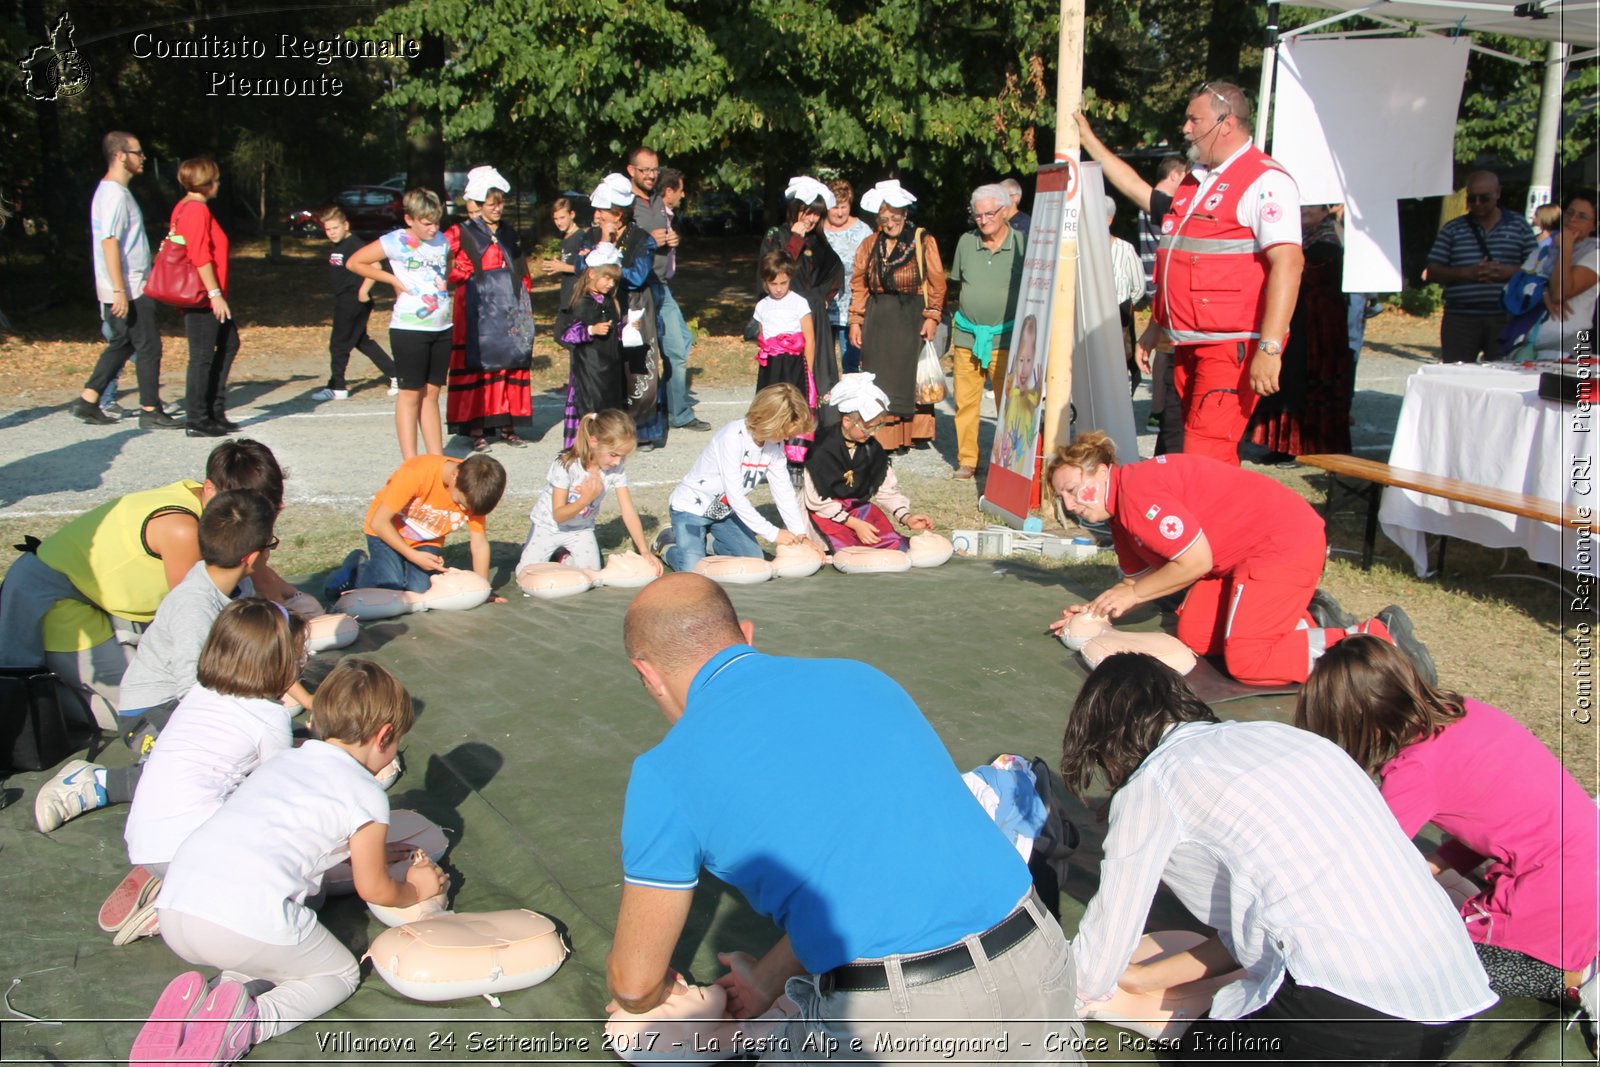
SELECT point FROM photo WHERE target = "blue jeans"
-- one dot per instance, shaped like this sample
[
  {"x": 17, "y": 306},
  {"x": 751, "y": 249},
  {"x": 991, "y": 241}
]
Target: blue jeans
[
  {"x": 676, "y": 340},
  {"x": 387, "y": 569},
  {"x": 849, "y": 354},
  {"x": 729, "y": 537}
]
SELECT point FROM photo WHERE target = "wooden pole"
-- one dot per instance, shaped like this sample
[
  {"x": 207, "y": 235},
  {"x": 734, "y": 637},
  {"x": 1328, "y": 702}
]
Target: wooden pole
[{"x": 1069, "y": 96}]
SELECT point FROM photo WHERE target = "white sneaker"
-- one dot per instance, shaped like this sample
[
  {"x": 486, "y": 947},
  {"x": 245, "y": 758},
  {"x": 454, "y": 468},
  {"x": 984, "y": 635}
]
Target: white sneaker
[
  {"x": 69, "y": 794},
  {"x": 331, "y": 394},
  {"x": 394, "y": 386}
]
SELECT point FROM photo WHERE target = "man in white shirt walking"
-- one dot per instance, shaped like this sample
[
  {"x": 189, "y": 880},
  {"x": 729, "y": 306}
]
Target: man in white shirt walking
[{"x": 121, "y": 264}]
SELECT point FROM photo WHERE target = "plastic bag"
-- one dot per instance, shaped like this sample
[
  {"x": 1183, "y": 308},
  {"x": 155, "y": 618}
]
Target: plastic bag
[{"x": 930, "y": 375}]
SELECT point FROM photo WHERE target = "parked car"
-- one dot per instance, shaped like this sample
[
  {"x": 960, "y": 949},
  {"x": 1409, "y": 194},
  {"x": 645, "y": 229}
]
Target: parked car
[
  {"x": 721, "y": 212},
  {"x": 370, "y": 209}
]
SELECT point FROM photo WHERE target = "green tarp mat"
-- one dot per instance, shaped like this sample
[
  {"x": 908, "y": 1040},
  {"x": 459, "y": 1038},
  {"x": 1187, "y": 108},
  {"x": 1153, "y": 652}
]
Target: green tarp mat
[{"x": 529, "y": 720}]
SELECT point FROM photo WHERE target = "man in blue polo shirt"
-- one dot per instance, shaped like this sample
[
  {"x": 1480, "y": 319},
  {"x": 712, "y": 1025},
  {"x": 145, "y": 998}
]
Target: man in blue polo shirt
[
  {"x": 1473, "y": 257},
  {"x": 910, "y": 923}
]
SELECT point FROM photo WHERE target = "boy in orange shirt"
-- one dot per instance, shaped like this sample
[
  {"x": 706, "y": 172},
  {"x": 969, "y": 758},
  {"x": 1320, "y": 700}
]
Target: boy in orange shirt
[{"x": 427, "y": 498}]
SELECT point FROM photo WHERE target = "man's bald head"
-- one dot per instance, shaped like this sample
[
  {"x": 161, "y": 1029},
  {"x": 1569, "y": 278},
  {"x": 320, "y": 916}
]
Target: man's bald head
[{"x": 679, "y": 621}]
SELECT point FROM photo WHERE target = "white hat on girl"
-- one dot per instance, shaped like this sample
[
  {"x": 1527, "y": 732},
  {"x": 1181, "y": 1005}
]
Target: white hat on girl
[
  {"x": 612, "y": 192},
  {"x": 888, "y": 191},
  {"x": 482, "y": 179},
  {"x": 856, "y": 394},
  {"x": 604, "y": 254},
  {"x": 808, "y": 190}
]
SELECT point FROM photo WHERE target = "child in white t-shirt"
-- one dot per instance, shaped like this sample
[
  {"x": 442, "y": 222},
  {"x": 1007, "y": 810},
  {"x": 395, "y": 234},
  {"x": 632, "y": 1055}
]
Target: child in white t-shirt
[
  {"x": 563, "y": 518},
  {"x": 786, "y": 341},
  {"x": 713, "y": 502},
  {"x": 227, "y": 724},
  {"x": 235, "y": 893}
]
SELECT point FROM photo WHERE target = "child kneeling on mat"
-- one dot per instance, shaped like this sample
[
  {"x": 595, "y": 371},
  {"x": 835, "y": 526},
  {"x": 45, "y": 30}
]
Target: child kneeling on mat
[
  {"x": 713, "y": 498},
  {"x": 235, "y": 893},
  {"x": 426, "y": 499},
  {"x": 850, "y": 480},
  {"x": 563, "y": 518}
]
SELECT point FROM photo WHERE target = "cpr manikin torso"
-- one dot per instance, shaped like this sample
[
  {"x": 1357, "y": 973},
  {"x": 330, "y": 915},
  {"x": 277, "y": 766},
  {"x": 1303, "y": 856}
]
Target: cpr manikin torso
[
  {"x": 734, "y": 570},
  {"x": 692, "y": 1027},
  {"x": 451, "y": 590},
  {"x": 797, "y": 561},
  {"x": 928, "y": 549},
  {"x": 1161, "y": 1015},
  {"x": 323, "y": 631},
  {"x": 1094, "y": 638},
  {"x": 859, "y": 560}
]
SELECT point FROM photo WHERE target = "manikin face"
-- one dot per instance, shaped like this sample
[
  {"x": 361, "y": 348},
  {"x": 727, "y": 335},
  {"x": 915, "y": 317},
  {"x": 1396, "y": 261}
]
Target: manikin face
[
  {"x": 1084, "y": 495},
  {"x": 778, "y": 287}
]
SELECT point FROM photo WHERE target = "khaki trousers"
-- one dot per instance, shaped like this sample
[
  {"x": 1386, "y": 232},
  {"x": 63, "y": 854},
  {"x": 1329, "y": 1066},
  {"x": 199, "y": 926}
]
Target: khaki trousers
[{"x": 969, "y": 398}]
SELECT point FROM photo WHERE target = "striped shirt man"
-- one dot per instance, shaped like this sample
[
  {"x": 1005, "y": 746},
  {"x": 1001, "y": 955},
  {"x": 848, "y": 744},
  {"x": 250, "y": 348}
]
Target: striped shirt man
[
  {"x": 1277, "y": 840},
  {"x": 1462, "y": 242}
]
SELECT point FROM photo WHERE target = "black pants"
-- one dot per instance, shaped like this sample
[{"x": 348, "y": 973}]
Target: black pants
[
  {"x": 350, "y": 332},
  {"x": 1169, "y": 438},
  {"x": 137, "y": 333},
  {"x": 1305, "y": 1025},
  {"x": 212, "y": 346}
]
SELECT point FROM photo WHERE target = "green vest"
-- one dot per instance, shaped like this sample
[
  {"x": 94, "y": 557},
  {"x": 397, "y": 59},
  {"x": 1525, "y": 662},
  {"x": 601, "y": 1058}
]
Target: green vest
[{"x": 103, "y": 553}]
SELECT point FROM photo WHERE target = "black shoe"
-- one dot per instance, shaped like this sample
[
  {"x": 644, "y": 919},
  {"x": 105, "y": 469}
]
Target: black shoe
[
  {"x": 696, "y": 424},
  {"x": 1328, "y": 614},
  {"x": 204, "y": 428},
  {"x": 1405, "y": 639},
  {"x": 226, "y": 423},
  {"x": 84, "y": 411},
  {"x": 156, "y": 419}
]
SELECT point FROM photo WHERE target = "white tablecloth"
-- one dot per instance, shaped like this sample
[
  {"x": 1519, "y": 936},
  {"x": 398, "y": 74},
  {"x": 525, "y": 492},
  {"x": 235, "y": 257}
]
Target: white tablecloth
[{"x": 1486, "y": 424}]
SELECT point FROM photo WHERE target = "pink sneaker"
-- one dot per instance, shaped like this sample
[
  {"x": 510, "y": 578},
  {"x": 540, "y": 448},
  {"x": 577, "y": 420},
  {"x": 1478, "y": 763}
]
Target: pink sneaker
[
  {"x": 132, "y": 893},
  {"x": 223, "y": 1029},
  {"x": 157, "y": 1043}
]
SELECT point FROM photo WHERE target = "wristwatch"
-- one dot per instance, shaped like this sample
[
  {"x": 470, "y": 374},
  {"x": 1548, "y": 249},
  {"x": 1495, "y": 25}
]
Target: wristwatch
[
  {"x": 1271, "y": 348},
  {"x": 213, "y": 293}
]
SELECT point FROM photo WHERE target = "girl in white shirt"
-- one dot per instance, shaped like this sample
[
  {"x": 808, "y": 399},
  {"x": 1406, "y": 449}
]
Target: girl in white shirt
[
  {"x": 563, "y": 518},
  {"x": 786, "y": 341},
  {"x": 235, "y": 894},
  {"x": 713, "y": 499}
]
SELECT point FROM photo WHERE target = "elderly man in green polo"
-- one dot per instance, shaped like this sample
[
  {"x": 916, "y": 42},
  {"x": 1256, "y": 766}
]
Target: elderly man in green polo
[{"x": 987, "y": 270}]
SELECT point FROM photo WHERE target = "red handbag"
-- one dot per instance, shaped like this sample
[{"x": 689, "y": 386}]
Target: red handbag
[{"x": 173, "y": 280}]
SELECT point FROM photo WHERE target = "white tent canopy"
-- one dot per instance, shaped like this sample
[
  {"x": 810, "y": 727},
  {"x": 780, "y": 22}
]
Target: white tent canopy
[{"x": 1573, "y": 22}]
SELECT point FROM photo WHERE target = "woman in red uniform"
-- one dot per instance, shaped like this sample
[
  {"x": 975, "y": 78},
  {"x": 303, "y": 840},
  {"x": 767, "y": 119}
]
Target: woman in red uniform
[{"x": 1249, "y": 550}]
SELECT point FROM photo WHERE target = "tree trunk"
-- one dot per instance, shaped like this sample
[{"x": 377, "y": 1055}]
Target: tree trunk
[{"x": 424, "y": 139}]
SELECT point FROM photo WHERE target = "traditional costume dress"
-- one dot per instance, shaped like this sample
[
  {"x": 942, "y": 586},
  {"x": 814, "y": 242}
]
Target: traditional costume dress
[{"x": 848, "y": 480}]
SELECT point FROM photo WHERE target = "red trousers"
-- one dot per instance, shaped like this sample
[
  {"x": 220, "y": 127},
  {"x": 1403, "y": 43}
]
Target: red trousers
[
  {"x": 1255, "y": 618},
  {"x": 841, "y": 536},
  {"x": 1213, "y": 381}
]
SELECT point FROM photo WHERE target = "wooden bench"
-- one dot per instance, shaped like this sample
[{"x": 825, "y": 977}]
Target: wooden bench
[{"x": 1371, "y": 476}]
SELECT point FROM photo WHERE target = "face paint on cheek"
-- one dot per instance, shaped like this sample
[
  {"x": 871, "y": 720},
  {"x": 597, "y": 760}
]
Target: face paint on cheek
[{"x": 1088, "y": 493}]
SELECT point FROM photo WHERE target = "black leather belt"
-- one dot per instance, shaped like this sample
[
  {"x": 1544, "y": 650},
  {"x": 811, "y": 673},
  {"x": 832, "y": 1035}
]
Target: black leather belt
[{"x": 931, "y": 966}]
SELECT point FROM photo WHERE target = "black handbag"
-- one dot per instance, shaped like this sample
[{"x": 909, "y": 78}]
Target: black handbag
[{"x": 34, "y": 732}]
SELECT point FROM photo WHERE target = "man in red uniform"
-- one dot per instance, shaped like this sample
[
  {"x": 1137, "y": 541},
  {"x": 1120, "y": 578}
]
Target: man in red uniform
[{"x": 1227, "y": 273}]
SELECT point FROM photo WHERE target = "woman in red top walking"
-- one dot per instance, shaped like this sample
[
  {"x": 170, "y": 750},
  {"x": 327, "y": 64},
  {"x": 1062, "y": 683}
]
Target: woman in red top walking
[
  {"x": 213, "y": 334},
  {"x": 1248, "y": 549}
]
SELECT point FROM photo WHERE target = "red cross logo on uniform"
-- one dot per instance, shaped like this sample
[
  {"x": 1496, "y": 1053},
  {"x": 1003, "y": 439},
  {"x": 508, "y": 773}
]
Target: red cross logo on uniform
[{"x": 1171, "y": 527}]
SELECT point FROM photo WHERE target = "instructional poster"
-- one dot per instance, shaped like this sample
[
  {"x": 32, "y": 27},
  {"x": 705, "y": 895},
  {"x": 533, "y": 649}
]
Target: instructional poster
[{"x": 1012, "y": 465}]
